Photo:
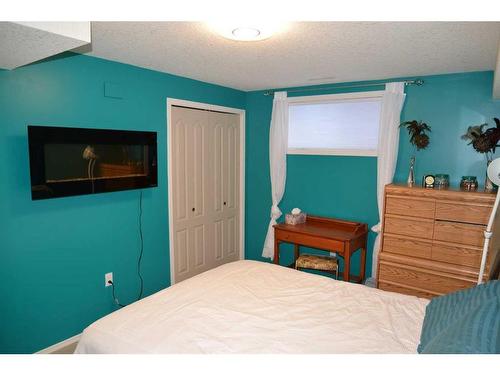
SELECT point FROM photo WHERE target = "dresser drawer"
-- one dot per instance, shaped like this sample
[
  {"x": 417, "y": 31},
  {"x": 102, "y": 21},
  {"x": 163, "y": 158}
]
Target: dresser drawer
[
  {"x": 463, "y": 213},
  {"x": 394, "y": 287},
  {"x": 421, "y": 279},
  {"x": 407, "y": 246},
  {"x": 460, "y": 255},
  {"x": 414, "y": 227},
  {"x": 410, "y": 207},
  {"x": 459, "y": 233}
]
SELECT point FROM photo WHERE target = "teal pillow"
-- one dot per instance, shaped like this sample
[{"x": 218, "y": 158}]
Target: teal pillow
[{"x": 467, "y": 321}]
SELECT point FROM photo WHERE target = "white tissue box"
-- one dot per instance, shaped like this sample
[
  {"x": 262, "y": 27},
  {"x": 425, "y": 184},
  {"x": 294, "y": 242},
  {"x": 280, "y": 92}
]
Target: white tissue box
[{"x": 295, "y": 219}]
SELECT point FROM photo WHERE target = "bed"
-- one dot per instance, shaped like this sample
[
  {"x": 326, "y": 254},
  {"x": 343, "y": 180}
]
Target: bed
[{"x": 256, "y": 307}]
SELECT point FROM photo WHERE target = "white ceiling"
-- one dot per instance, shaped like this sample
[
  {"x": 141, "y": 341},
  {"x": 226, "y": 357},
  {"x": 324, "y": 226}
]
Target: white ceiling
[
  {"x": 22, "y": 43},
  {"x": 306, "y": 53}
]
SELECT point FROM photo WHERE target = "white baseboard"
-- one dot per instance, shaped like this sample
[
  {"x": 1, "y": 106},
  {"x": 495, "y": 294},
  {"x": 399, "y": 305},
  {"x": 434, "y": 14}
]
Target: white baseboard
[{"x": 63, "y": 347}]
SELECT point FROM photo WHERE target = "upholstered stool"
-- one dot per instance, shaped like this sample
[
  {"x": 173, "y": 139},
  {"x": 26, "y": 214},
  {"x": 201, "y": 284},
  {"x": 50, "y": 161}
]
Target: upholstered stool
[{"x": 318, "y": 262}]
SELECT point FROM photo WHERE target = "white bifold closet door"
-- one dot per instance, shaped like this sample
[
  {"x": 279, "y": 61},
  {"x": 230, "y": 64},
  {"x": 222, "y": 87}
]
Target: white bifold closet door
[{"x": 206, "y": 186}]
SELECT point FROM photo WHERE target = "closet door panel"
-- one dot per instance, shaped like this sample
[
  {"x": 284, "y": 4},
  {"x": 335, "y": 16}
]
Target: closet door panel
[
  {"x": 205, "y": 164},
  {"x": 219, "y": 240},
  {"x": 181, "y": 247},
  {"x": 199, "y": 246},
  {"x": 230, "y": 183},
  {"x": 199, "y": 166},
  {"x": 233, "y": 162},
  {"x": 232, "y": 236},
  {"x": 179, "y": 182},
  {"x": 188, "y": 173},
  {"x": 218, "y": 166}
]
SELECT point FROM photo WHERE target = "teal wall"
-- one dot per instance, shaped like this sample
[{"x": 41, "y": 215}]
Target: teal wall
[
  {"x": 345, "y": 187},
  {"x": 449, "y": 104},
  {"x": 54, "y": 253}
]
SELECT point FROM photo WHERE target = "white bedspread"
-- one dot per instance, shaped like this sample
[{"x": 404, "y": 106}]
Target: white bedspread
[{"x": 256, "y": 307}]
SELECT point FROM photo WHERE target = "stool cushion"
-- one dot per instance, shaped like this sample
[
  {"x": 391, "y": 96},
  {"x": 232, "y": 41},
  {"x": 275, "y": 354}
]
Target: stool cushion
[{"x": 317, "y": 262}]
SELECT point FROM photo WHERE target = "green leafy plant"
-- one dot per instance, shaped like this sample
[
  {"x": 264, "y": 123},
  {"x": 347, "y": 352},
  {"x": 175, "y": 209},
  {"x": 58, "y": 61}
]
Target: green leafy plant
[
  {"x": 484, "y": 141},
  {"x": 417, "y": 131}
]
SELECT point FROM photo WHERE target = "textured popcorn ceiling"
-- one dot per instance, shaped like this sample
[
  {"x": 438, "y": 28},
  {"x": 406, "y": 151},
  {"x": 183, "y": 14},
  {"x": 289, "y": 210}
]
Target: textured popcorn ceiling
[
  {"x": 306, "y": 53},
  {"x": 23, "y": 43}
]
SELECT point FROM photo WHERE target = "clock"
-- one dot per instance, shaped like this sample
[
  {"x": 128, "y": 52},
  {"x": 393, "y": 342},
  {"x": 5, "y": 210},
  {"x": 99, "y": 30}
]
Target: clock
[{"x": 428, "y": 181}]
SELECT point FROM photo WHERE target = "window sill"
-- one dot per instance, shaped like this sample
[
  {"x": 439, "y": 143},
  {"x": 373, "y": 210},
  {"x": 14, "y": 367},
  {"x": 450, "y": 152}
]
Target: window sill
[{"x": 331, "y": 152}]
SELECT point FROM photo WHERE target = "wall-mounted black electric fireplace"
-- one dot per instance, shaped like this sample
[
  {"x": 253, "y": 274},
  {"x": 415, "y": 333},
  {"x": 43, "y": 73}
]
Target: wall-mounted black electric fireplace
[{"x": 74, "y": 161}]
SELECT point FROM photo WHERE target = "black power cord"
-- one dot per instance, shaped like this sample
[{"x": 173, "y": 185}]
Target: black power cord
[
  {"x": 138, "y": 260},
  {"x": 142, "y": 248},
  {"x": 114, "y": 297}
]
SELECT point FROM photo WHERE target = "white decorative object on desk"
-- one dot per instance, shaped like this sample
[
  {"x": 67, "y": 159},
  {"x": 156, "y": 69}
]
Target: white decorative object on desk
[{"x": 296, "y": 217}]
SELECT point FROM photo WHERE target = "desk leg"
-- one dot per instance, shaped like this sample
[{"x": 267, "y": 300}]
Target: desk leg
[
  {"x": 297, "y": 251},
  {"x": 276, "y": 251},
  {"x": 347, "y": 262},
  {"x": 362, "y": 267}
]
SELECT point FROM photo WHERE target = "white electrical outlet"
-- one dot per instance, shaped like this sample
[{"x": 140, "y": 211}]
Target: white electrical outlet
[{"x": 107, "y": 278}]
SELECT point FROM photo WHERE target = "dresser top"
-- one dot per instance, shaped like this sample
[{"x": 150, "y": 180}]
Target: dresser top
[{"x": 451, "y": 193}]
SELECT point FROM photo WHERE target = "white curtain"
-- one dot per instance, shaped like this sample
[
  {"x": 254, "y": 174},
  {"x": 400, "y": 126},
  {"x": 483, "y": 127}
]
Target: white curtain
[
  {"x": 387, "y": 154},
  {"x": 278, "y": 144}
]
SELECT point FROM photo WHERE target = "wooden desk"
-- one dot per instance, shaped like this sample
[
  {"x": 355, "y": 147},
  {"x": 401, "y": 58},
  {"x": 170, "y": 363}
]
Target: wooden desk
[{"x": 332, "y": 235}]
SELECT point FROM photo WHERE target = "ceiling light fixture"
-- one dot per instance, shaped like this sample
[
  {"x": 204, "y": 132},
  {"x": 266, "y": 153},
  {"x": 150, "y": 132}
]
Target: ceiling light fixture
[{"x": 246, "y": 32}]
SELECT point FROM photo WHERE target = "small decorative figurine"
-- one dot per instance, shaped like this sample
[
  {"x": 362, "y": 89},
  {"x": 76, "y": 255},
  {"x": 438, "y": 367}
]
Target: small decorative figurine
[
  {"x": 442, "y": 181},
  {"x": 484, "y": 142},
  {"x": 468, "y": 183},
  {"x": 419, "y": 139},
  {"x": 411, "y": 175}
]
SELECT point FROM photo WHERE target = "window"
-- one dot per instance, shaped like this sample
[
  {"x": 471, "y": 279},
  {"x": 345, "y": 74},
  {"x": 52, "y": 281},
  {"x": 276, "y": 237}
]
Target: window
[{"x": 339, "y": 124}]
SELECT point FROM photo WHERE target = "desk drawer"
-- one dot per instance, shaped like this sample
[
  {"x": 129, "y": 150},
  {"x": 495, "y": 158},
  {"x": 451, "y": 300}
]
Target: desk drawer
[
  {"x": 410, "y": 207},
  {"x": 310, "y": 241},
  {"x": 463, "y": 213},
  {"x": 460, "y": 233},
  {"x": 419, "y": 228}
]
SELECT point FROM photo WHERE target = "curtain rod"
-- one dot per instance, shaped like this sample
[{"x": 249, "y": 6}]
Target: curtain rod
[{"x": 416, "y": 82}]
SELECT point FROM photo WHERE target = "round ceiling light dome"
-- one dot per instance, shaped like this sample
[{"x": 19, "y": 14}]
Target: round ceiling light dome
[{"x": 246, "y": 32}]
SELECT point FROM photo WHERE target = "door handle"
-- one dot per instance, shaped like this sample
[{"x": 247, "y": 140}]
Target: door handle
[{"x": 192, "y": 209}]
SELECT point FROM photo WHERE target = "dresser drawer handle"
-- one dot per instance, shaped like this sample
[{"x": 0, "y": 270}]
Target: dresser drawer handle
[{"x": 459, "y": 222}]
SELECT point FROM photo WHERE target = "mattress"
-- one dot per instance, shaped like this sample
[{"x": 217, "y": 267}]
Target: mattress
[{"x": 256, "y": 307}]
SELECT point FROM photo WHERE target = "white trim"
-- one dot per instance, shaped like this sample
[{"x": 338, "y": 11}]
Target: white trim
[
  {"x": 210, "y": 107},
  {"x": 352, "y": 96},
  {"x": 331, "y": 151},
  {"x": 60, "y": 345},
  {"x": 331, "y": 98}
]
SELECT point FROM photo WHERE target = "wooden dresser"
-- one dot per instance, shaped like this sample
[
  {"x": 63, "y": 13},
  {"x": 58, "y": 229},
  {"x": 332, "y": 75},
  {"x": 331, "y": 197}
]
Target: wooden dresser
[{"x": 432, "y": 239}]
